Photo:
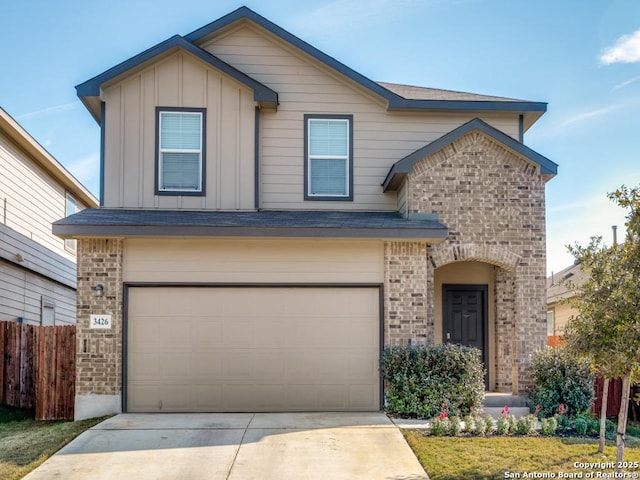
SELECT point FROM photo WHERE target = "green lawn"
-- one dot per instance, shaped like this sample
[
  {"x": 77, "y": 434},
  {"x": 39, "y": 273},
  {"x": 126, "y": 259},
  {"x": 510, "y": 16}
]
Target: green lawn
[
  {"x": 455, "y": 458},
  {"x": 25, "y": 443}
]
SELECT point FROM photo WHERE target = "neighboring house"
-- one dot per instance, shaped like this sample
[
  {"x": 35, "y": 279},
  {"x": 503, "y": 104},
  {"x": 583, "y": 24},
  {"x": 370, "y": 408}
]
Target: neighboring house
[
  {"x": 271, "y": 218},
  {"x": 559, "y": 310},
  {"x": 37, "y": 268}
]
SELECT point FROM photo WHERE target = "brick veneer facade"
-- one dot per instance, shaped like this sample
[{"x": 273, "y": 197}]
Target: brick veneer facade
[
  {"x": 492, "y": 201},
  {"x": 493, "y": 204},
  {"x": 99, "y": 352}
]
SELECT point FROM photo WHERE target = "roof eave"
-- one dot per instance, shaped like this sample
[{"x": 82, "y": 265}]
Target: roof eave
[
  {"x": 89, "y": 91},
  {"x": 44, "y": 159},
  {"x": 471, "y": 105},
  {"x": 548, "y": 169},
  {"x": 431, "y": 235}
]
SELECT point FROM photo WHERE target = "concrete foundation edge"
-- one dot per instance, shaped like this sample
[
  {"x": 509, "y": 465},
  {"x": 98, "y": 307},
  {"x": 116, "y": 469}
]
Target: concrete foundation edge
[{"x": 89, "y": 406}]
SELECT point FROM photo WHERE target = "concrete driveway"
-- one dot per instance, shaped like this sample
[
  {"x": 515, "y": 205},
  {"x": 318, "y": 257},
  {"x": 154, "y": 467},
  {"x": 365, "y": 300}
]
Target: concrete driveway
[{"x": 214, "y": 446}]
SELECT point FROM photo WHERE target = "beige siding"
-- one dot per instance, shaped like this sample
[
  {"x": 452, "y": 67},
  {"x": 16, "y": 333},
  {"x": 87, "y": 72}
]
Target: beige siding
[
  {"x": 35, "y": 257},
  {"x": 253, "y": 261},
  {"x": 30, "y": 200},
  {"x": 402, "y": 198},
  {"x": 179, "y": 80},
  {"x": 304, "y": 87},
  {"x": 21, "y": 294},
  {"x": 562, "y": 314}
]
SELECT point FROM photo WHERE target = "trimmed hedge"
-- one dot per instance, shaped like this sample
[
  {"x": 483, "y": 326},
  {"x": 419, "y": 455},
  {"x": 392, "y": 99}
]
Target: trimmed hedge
[
  {"x": 423, "y": 381},
  {"x": 560, "y": 378}
]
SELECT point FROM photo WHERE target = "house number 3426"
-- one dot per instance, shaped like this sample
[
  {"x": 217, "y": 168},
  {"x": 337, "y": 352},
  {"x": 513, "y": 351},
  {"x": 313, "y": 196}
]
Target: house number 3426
[{"x": 100, "y": 321}]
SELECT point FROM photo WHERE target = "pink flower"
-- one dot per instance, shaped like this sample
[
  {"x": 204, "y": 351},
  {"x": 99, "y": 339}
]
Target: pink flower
[{"x": 505, "y": 411}]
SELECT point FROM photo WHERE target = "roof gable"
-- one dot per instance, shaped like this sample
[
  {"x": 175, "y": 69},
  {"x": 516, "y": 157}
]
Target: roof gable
[
  {"x": 91, "y": 88},
  {"x": 405, "y": 166},
  {"x": 89, "y": 91},
  {"x": 394, "y": 100}
]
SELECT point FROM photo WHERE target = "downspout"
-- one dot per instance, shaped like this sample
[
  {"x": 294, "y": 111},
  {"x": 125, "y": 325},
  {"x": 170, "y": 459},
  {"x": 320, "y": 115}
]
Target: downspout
[
  {"x": 521, "y": 129},
  {"x": 103, "y": 109},
  {"x": 256, "y": 160}
]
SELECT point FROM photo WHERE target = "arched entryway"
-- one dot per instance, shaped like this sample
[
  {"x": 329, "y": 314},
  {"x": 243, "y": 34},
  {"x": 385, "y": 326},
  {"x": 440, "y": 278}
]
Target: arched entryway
[{"x": 464, "y": 309}]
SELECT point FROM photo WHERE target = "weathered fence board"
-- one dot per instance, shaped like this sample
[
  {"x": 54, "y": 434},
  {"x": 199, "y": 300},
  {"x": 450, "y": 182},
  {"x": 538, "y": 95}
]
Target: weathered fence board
[{"x": 37, "y": 366}]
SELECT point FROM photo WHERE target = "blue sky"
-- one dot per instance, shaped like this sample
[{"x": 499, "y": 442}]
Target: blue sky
[{"x": 580, "y": 56}]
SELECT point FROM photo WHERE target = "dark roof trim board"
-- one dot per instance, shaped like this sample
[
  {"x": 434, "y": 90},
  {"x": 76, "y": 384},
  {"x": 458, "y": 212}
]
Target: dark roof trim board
[
  {"x": 118, "y": 222},
  {"x": 262, "y": 93},
  {"x": 405, "y": 166},
  {"x": 90, "y": 89},
  {"x": 394, "y": 100}
]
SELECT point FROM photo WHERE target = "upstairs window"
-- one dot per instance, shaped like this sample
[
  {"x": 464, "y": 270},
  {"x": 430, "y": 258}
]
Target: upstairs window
[
  {"x": 180, "y": 151},
  {"x": 328, "y": 157}
]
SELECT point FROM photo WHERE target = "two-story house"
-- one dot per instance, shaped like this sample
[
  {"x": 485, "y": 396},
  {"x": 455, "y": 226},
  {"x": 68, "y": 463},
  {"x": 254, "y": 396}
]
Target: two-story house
[
  {"x": 37, "y": 268},
  {"x": 270, "y": 219}
]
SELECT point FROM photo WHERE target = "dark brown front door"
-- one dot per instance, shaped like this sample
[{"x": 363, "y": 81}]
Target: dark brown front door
[{"x": 465, "y": 316}]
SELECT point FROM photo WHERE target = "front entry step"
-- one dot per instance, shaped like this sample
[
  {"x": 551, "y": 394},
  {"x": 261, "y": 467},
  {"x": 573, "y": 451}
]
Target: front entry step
[{"x": 494, "y": 403}]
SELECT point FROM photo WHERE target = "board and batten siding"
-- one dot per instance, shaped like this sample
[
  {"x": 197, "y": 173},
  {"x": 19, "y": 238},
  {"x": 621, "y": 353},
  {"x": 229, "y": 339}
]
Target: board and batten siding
[
  {"x": 306, "y": 86},
  {"x": 30, "y": 200},
  {"x": 22, "y": 292},
  {"x": 253, "y": 261},
  {"x": 180, "y": 80}
]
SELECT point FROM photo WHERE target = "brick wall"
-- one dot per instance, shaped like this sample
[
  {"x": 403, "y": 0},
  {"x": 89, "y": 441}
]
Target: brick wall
[
  {"x": 493, "y": 203},
  {"x": 406, "y": 294},
  {"x": 99, "y": 352}
]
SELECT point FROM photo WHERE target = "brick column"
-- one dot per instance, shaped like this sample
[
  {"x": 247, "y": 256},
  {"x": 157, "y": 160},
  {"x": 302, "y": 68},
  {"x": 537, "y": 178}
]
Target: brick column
[
  {"x": 406, "y": 294},
  {"x": 99, "y": 352}
]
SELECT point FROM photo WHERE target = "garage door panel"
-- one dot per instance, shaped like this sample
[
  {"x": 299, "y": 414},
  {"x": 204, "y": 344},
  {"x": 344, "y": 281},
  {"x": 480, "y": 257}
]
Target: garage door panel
[
  {"x": 362, "y": 397},
  {"x": 253, "y": 349}
]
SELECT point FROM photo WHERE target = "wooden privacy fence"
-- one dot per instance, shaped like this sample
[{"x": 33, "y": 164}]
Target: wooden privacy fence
[{"x": 37, "y": 369}]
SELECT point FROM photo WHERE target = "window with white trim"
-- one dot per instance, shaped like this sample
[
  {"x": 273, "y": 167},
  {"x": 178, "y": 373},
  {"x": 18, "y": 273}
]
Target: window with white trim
[
  {"x": 180, "y": 151},
  {"x": 328, "y": 157}
]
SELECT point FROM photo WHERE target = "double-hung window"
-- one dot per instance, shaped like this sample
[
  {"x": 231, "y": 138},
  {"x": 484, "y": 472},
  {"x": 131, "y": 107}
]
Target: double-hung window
[
  {"x": 180, "y": 151},
  {"x": 328, "y": 157}
]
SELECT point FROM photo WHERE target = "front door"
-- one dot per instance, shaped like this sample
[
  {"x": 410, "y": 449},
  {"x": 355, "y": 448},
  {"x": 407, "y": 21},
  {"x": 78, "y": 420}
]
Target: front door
[{"x": 465, "y": 317}]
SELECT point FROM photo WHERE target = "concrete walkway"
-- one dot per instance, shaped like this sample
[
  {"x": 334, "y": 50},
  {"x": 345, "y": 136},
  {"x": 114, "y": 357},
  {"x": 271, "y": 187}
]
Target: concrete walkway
[{"x": 213, "y": 446}]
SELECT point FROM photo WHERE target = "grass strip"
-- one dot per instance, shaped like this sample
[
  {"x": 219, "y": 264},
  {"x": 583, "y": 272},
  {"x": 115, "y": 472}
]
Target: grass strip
[
  {"x": 25, "y": 443},
  {"x": 476, "y": 458}
]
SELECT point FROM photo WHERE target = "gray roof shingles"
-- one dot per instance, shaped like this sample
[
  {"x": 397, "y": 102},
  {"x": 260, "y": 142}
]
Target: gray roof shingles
[{"x": 301, "y": 223}]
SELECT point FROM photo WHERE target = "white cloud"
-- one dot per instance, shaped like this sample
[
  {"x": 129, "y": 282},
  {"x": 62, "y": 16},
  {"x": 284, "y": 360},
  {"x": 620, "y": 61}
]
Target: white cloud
[
  {"x": 579, "y": 117},
  {"x": 625, "y": 83},
  {"x": 49, "y": 110},
  {"x": 625, "y": 50}
]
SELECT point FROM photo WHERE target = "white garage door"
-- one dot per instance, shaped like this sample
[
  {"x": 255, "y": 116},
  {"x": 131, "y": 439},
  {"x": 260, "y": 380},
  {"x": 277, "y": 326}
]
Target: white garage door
[{"x": 212, "y": 349}]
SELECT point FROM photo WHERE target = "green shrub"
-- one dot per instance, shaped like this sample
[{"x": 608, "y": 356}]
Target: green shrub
[
  {"x": 419, "y": 379},
  {"x": 513, "y": 423},
  {"x": 488, "y": 421},
  {"x": 502, "y": 426},
  {"x": 481, "y": 426},
  {"x": 564, "y": 423},
  {"x": 469, "y": 424},
  {"x": 440, "y": 426},
  {"x": 560, "y": 378},
  {"x": 548, "y": 426},
  {"x": 581, "y": 424},
  {"x": 526, "y": 425},
  {"x": 454, "y": 428}
]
